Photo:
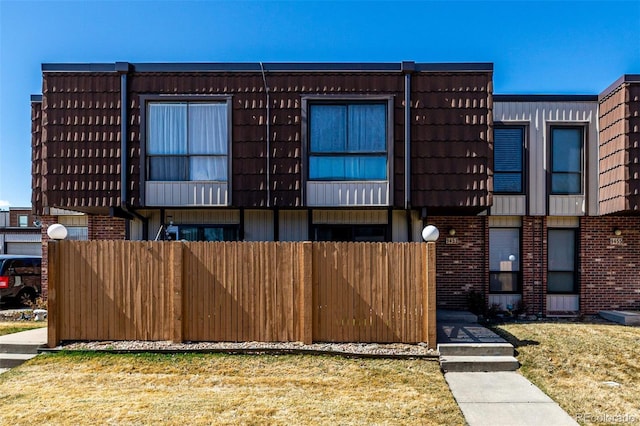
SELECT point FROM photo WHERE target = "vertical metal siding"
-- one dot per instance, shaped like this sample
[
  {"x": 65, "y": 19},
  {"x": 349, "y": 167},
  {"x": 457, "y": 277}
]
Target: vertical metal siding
[
  {"x": 342, "y": 194},
  {"x": 203, "y": 217},
  {"x": 539, "y": 116},
  {"x": 399, "y": 227},
  {"x": 258, "y": 225},
  {"x": 293, "y": 225},
  {"x": 509, "y": 205}
]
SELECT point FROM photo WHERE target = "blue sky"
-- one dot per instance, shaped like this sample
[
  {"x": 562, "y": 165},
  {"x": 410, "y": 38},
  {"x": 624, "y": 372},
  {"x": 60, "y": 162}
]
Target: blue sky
[{"x": 536, "y": 47}]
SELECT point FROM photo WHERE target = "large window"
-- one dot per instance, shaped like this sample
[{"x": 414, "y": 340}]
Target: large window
[
  {"x": 349, "y": 233},
  {"x": 504, "y": 260},
  {"x": 187, "y": 141},
  {"x": 566, "y": 160},
  {"x": 348, "y": 141},
  {"x": 202, "y": 232},
  {"x": 508, "y": 147},
  {"x": 561, "y": 275}
]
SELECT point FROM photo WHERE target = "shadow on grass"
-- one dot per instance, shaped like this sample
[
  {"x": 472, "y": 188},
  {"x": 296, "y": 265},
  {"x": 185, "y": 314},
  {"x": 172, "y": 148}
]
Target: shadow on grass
[{"x": 517, "y": 343}]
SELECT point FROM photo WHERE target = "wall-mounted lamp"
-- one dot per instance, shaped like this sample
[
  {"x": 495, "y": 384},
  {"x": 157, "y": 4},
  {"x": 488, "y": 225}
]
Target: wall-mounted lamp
[
  {"x": 452, "y": 232},
  {"x": 57, "y": 232},
  {"x": 430, "y": 233},
  {"x": 617, "y": 232}
]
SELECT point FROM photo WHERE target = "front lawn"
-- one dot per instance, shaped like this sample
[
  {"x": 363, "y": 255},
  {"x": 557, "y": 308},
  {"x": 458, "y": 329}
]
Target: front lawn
[
  {"x": 9, "y": 327},
  {"x": 591, "y": 370},
  {"x": 91, "y": 388}
]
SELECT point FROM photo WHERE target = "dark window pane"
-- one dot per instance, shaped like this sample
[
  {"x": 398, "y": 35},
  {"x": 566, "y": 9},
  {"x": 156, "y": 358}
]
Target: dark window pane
[
  {"x": 348, "y": 167},
  {"x": 508, "y": 145},
  {"x": 504, "y": 245},
  {"x": 561, "y": 261},
  {"x": 561, "y": 282},
  {"x": 350, "y": 233},
  {"x": 566, "y": 183},
  {"x": 507, "y": 182},
  {"x": 327, "y": 129},
  {"x": 566, "y": 151},
  {"x": 504, "y": 282},
  {"x": 168, "y": 168}
]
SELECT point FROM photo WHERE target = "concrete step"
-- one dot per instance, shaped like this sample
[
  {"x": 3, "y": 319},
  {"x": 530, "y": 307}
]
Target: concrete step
[
  {"x": 469, "y": 364},
  {"x": 19, "y": 348},
  {"x": 13, "y": 360},
  {"x": 622, "y": 317},
  {"x": 475, "y": 349}
]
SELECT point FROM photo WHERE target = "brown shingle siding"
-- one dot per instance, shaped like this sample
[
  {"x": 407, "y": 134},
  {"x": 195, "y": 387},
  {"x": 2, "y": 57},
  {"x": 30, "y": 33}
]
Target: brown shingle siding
[
  {"x": 450, "y": 117},
  {"x": 619, "y": 150},
  {"x": 36, "y": 156},
  {"x": 452, "y": 148},
  {"x": 81, "y": 119}
]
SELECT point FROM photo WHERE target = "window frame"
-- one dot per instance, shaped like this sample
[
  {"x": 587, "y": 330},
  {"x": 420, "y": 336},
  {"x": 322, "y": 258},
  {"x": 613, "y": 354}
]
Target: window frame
[
  {"x": 26, "y": 220},
  {"x": 518, "y": 273},
  {"x": 309, "y": 101},
  {"x": 524, "y": 161},
  {"x": 200, "y": 229},
  {"x": 145, "y": 100},
  {"x": 575, "y": 271},
  {"x": 583, "y": 143}
]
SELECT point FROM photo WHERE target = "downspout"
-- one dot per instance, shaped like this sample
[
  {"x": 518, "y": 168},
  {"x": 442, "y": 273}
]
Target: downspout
[
  {"x": 123, "y": 69},
  {"x": 407, "y": 68},
  {"x": 268, "y": 139}
]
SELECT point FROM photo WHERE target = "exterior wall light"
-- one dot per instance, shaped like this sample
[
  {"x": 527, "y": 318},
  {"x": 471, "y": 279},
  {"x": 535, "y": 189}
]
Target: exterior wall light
[
  {"x": 430, "y": 233},
  {"x": 57, "y": 232},
  {"x": 617, "y": 232},
  {"x": 452, "y": 232}
]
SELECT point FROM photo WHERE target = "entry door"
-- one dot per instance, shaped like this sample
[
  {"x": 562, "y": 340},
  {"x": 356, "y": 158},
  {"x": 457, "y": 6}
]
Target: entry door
[{"x": 505, "y": 283}]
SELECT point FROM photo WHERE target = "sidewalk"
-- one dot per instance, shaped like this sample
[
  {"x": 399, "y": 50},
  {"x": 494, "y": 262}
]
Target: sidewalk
[
  {"x": 494, "y": 398},
  {"x": 36, "y": 336}
]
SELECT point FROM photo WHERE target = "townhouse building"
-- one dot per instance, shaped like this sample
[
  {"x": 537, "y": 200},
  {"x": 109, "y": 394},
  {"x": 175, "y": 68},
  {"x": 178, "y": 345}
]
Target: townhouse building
[{"x": 536, "y": 197}]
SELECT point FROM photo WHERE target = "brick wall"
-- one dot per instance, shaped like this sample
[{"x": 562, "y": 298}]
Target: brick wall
[
  {"x": 463, "y": 261},
  {"x": 534, "y": 264},
  {"x": 46, "y": 222},
  {"x": 106, "y": 228},
  {"x": 610, "y": 274},
  {"x": 14, "y": 215}
]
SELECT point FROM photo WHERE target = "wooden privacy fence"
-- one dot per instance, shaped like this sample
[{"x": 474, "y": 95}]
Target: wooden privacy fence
[{"x": 241, "y": 291}]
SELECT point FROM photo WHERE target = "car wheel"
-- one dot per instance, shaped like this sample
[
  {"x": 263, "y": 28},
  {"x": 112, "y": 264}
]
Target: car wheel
[{"x": 26, "y": 297}]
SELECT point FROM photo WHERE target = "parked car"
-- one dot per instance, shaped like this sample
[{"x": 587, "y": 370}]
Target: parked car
[{"x": 20, "y": 278}]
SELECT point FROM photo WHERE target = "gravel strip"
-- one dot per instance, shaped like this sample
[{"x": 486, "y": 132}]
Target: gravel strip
[{"x": 392, "y": 350}]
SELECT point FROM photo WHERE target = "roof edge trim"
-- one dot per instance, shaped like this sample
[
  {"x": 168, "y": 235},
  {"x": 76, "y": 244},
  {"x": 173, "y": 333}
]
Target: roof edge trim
[
  {"x": 268, "y": 66},
  {"x": 36, "y": 98},
  {"x": 545, "y": 98},
  {"x": 625, "y": 78}
]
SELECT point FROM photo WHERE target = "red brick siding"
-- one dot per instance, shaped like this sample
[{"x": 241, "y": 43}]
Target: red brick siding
[
  {"x": 46, "y": 222},
  {"x": 14, "y": 215},
  {"x": 462, "y": 266},
  {"x": 106, "y": 228},
  {"x": 609, "y": 272},
  {"x": 534, "y": 264}
]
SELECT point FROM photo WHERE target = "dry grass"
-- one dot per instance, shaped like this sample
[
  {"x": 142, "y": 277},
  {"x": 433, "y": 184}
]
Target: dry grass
[
  {"x": 9, "y": 327},
  {"x": 76, "y": 388},
  {"x": 572, "y": 362}
]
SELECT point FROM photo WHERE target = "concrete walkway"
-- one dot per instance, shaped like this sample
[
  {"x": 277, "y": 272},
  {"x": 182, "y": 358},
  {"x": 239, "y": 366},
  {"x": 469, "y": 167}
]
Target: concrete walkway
[
  {"x": 491, "y": 398},
  {"x": 19, "y": 347}
]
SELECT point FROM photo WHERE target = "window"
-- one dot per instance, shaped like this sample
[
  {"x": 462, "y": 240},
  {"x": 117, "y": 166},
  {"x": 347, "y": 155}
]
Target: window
[
  {"x": 508, "y": 150},
  {"x": 187, "y": 141},
  {"x": 203, "y": 232},
  {"x": 23, "y": 221},
  {"x": 504, "y": 260},
  {"x": 561, "y": 276},
  {"x": 78, "y": 233},
  {"x": 566, "y": 160},
  {"x": 348, "y": 141},
  {"x": 347, "y": 233}
]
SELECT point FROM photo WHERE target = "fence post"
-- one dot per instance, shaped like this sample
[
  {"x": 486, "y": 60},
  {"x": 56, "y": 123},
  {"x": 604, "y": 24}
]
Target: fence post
[
  {"x": 429, "y": 320},
  {"x": 53, "y": 320},
  {"x": 177, "y": 295},
  {"x": 306, "y": 292}
]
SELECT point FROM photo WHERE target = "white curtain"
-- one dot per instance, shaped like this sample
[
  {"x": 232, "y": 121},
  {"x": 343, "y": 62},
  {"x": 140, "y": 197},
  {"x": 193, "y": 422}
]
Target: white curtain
[
  {"x": 208, "y": 128},
  {"x": 367, "y": 128},
  {"x": 167, "y": 130}
]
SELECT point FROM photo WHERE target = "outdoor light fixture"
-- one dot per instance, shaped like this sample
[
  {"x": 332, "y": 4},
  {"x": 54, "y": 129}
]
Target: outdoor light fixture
[
  {"x": 57, "y": 232},
  {"x": 430, "y": 233},
  {"x": 512, "y": 257},
  {"x": 452, "y": 232},
  {"x": 617, "y": 232}
]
